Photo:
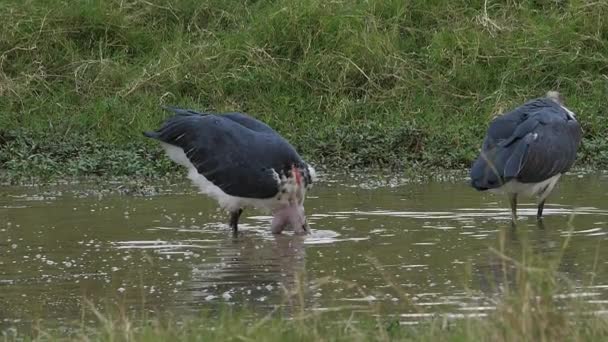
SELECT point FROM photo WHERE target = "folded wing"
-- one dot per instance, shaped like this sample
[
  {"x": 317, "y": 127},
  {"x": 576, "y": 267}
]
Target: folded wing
[
  {"x": 237, "y": 153},
  {"x": 532, "y": 143}
]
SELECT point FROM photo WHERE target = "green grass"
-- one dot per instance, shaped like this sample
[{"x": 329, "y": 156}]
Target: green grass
[
  {"x": 531, "y": 295},
  {"x": 349, "y": 83}
]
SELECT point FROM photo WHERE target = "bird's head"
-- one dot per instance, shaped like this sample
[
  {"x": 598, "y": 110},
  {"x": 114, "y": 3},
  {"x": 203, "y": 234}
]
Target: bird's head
[
  {"x": 556, "y": 96},
  {"x": 292, "y": 214},
  {"x": 559, "y": 99}
]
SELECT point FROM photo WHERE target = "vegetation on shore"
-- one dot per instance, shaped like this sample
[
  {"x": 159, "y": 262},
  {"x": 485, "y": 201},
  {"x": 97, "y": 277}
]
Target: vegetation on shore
[{"x": 349, "y": 83}]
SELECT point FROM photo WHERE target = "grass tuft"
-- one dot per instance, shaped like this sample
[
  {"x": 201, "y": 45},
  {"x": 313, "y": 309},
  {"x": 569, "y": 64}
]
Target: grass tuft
[{"x": 355, "y": 83}]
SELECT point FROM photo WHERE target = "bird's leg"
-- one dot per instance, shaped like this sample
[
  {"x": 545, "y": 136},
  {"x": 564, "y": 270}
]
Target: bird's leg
[
  {"x": 234, "y": 220},
  {"x": 540, "y": 224},
  {"x": 539, "y": 213},
  {"x": 513, "y": 204}
]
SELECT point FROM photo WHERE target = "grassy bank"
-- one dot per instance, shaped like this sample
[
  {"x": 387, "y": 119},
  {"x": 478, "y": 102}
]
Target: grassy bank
[
  {"x": 350, "y": 83},
  {"x": 534, "y": 302},
  {"x": 233, "y": 327}
]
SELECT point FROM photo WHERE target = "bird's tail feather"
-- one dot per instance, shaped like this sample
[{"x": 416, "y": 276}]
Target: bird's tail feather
[
  {"x": 175, "y": 128},
  {"x": 181, "y": 111},
  {"x": 151, "y": 134}
]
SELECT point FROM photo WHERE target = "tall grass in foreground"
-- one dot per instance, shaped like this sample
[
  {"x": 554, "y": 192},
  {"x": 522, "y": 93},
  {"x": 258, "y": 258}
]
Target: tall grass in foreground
[
  {"x": 351, "y": 83},
  {"x": 533, "y": 303}
]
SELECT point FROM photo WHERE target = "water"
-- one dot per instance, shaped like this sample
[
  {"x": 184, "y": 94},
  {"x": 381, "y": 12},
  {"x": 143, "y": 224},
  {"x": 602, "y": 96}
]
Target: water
[{"x": 384, "y": 243}]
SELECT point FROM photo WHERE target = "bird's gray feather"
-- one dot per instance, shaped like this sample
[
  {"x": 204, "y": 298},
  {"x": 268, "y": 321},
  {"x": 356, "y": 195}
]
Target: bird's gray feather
[
  {"x": 534, "y": 142},
  {"x": 235, "y": 152}
]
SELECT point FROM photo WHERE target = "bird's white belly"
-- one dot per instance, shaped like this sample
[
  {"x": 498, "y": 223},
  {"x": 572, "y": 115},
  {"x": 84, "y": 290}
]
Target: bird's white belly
[
  {"x": 227, "y": 202},
  {"x": 540, "y": 189}
]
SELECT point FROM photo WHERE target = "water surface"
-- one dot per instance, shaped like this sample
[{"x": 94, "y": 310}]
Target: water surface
[{"x": 385, "y": 243}]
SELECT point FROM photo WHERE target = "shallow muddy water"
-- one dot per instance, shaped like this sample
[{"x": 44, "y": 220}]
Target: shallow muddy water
[{"x": 378, "y": 243}]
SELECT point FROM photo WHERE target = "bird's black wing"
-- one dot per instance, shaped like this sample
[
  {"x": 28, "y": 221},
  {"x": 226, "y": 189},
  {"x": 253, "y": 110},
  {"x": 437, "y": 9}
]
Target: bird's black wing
[
  {"x": 551, "y": 152},
  {"x": 533, "y": 142},
  {"x": 249, "y": 122},
  {"x": 512, "y": 124},
  {"x": 259, "y": 126},
  {"x": 240, "y": 161},
  {"x": 240, "y": 118},
  {"x": 180, "y": 111}
]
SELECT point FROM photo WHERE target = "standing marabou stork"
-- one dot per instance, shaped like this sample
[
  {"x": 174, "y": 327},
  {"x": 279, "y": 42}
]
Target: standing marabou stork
[
  {"x": 526, "y": 150},
  {"x": 240, "y": 162}
]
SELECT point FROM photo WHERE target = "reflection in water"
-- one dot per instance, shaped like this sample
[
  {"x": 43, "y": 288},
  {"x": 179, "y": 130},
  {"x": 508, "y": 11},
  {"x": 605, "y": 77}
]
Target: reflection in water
[
  {"x": 172, "y": 251},
  {"x": 248, "y": 270}
]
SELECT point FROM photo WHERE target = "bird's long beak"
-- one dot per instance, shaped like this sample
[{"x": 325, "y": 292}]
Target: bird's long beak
[
  {"x": 299, "y": 191},
  {"x": 305, "y": 229}
]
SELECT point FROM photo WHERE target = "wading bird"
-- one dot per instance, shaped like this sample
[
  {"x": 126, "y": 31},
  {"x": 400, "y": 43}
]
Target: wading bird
[
  {"x": 240, "y": 162},
  {"x": 526, "y": 150}
]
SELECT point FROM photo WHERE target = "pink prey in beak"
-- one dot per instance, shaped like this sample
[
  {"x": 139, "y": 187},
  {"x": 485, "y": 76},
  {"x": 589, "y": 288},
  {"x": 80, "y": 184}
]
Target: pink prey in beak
[{"x": 293, "y": 213}]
